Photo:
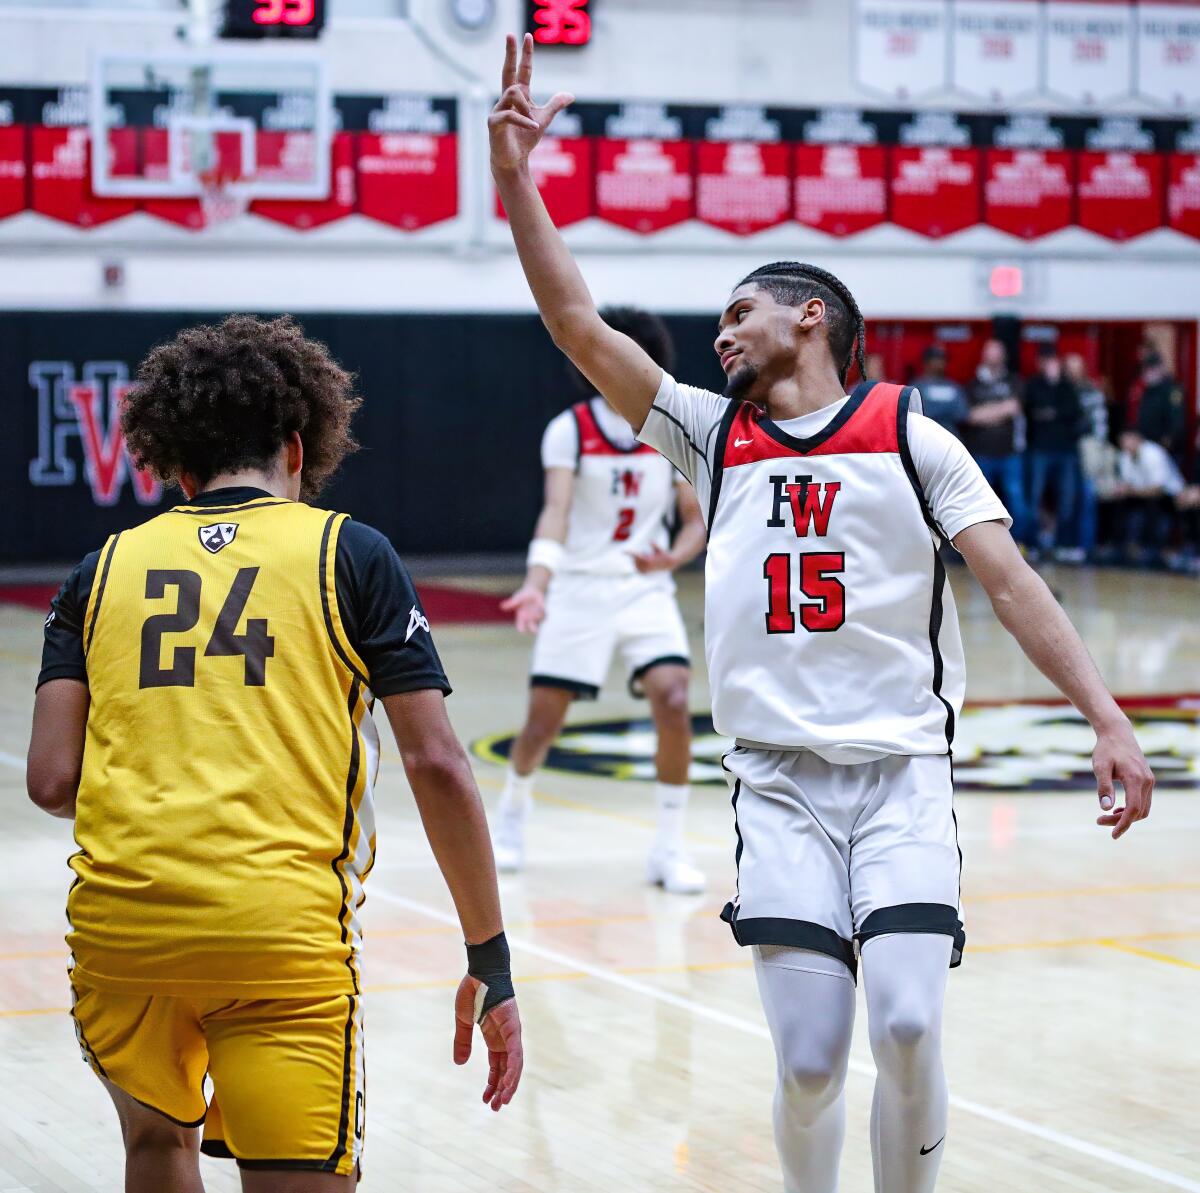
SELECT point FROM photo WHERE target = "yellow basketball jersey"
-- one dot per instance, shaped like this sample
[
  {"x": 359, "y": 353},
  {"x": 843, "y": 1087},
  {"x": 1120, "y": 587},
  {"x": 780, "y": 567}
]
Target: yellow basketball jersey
[{"x": 224, "y": 822}]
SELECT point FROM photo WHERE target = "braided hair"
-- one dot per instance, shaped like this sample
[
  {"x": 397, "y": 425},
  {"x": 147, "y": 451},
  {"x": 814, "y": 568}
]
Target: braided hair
[{"x": 792, "y": 282}]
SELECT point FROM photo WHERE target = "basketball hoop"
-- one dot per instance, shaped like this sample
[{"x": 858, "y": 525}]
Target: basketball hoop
[{"x": 220, "y": 199}]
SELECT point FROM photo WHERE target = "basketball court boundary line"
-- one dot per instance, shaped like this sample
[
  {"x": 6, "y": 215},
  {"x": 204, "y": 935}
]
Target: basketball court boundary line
[{"x": 698, "y": 1009}]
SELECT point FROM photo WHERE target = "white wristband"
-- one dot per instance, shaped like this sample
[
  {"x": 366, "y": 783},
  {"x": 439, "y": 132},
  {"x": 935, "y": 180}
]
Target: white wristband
[{"x": 545, "y": 553}]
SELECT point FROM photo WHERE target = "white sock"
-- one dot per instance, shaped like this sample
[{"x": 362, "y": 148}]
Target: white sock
[
  {"x": 671, "y": 800},
  {"x": 905, "y": 977},
  {"x": 517, "y": 794}
]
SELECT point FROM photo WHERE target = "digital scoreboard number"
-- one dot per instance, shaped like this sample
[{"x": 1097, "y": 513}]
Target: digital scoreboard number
[
  {"x": 559, "y": 22},
  {"x": 273, "y": 18}
]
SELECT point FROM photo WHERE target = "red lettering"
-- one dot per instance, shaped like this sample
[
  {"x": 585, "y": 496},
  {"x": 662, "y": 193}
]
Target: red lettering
[{"x": 811, "y": 506}]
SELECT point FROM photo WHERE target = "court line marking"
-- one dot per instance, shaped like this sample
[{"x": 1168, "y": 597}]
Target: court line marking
[
  {"x": 1119, "y": 947},
  {"x": 698, "y": 1009},
  {"x": 12, "y": 760}
]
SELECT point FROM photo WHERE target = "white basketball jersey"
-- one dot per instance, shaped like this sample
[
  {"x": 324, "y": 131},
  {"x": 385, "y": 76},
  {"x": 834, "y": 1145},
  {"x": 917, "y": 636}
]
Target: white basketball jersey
[
  {"x": 829, "y": 623},
  {"x": 623, "y": 501}
]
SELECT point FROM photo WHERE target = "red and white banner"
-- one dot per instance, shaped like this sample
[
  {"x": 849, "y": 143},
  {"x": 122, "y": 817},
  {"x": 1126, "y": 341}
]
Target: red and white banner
[
  {"x": 841, "y": 189},
  {"x": 1183, "y": 193},
  {"x": 12, "y": 169},
  {"x": 1120, "y": 195},
  {"x": 287, "y": 156},
  {"x": 901, "y": 46},
  {"x": 187, "y": 213},
  {"x": 62, "y": 179},
  {"x": 1027, "y": 192},
  {"x": 408, "y": 180},
  {"x": 643, "y": 185},
  {"x": 563, "y": 172},
  {"x": 743, "y": 186},
  {"x": 935, "y": 191},
  {"x": 1168, "y": 52},
  {"x": 997, "y": 46},
  {"x": 1089, "y": 49}
]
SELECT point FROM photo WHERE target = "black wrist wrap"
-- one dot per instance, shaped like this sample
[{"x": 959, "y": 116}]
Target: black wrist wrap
[{"x": 489, "y": 963}]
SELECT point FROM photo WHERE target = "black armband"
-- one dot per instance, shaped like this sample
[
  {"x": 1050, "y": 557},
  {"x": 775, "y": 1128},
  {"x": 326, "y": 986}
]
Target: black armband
[{"x": 489, "y": 964}]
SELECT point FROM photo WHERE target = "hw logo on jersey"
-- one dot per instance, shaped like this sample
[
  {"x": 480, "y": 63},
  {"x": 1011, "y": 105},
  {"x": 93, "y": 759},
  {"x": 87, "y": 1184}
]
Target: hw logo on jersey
[
  {"x": 626, "y": 482},
  {"x": 217, "y": 535},
  {"x": 810, "y": 504},
  {"x": 85, "y": 407}
]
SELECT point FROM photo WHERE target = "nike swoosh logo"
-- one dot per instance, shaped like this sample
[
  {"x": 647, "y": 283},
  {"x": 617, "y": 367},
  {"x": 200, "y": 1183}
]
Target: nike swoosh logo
[
  {"x": 742, "y": 442},
  {"x": 926, "y": 1150}
]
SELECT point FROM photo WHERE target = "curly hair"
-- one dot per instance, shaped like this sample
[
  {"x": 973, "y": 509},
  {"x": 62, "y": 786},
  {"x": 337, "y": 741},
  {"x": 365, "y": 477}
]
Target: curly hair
[
  {"x": 226, "y": 397},
  {"x": 793, "y": 282},
  {"x": 646, "y": 330}
]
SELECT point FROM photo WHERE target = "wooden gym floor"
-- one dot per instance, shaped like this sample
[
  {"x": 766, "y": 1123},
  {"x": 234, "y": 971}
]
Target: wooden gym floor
[{"x": 1073, "y": 1027}]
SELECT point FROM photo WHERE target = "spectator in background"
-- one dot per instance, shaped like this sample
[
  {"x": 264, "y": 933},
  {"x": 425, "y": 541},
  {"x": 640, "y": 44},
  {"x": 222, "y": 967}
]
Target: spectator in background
[
  {"x": 994, "y": 432},
  {"x": 1188, "y": 505},
  {"x": 1150, "y": 483},
  {"x": 1095, "y": 450},
  {"x": 942, "y": 399},
  {"x": 1160, "y": 414},
  {"x": 1055, "y": 428}
]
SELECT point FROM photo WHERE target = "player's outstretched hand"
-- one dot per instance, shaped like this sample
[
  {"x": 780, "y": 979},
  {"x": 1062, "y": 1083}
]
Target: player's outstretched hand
[
  {"x": 1118, "y": 758},
  {"x": 517, "y": 124},
  {"x": 654, "y": 560},
  {"x": 501, "y": 1029},
  {"x": 528, "y": 604}
]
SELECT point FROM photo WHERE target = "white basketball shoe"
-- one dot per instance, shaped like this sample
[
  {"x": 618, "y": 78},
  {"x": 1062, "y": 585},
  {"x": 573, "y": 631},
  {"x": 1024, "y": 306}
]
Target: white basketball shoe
[
  {"x": 672, "y": 870},
  {"x": 508, "y": 840}
]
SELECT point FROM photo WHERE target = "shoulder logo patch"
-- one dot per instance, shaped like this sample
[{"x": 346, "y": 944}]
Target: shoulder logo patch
[
  {"x": 416, "y": 621},
  {"x": 217, "y": 535}
]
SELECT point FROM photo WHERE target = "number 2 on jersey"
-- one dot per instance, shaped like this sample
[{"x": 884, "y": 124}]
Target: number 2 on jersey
[
  {"x": 255, "y": 645},
  {"x": 817, "y": 581},
  {"x": 625, "y": 519}
]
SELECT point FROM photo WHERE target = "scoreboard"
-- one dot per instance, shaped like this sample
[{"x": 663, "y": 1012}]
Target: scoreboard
[
  {"x": 559, "y": 22},
  {"x": 273, "y": 18}
]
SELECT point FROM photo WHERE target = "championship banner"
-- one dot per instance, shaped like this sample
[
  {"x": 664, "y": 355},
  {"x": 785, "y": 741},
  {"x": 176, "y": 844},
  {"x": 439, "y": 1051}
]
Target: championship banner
[
  {"x": 935, "y": 190},
  {"x": 563, "y": 172},
  {"x": 408, "y": 180},
  {"x": 743, "y": 186},
  {"x": 1028, "y": 192},
  {"x": 643, "y": 185},
  {"x": 841, "y": 189},
  {"x": 902, "y": 46},
  {"x": 1183, "y": 193},
  {"x": 282, "y": 152},
  {"x": 1089, "y": 50},
  {"x": 12, "y": 169},
  {"x": 997, "y": 47},
  {"x": 1168, "y": 53},
  {"x": 1120, "y": 195},
  {"x": 61, "y": 175}
]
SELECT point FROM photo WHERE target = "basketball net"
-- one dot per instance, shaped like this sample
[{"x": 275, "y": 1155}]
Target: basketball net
[{"x": 220, "y": 200}]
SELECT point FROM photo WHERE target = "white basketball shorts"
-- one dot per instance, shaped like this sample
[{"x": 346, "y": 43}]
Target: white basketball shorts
[
  {"x": 590, "y": 617},
  {"x": 829, "y": 855}
]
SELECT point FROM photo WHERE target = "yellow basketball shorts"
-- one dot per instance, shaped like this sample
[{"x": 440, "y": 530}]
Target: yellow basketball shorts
[{"x": 288, "y": 1087}]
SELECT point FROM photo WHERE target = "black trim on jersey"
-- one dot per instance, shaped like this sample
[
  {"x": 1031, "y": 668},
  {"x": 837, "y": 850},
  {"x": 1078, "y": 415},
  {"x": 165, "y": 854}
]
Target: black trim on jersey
[
  {"x": 100, "y": 592},
  {"x": 939, "y": 568},
  {"x": 286, "y": 1165},
  {"x": 217, "y": 1148},
  {"x": 935, "y": 919},
  {"x": 621, "y": 451},
  {"x": 717, "y": 471},
  {"x": 581, "y": 691},
  {"x": 795, "y": 934},
  {"x": 322, "y": 580},
  {"x": 228, "y": 509},
  {"x": 637, "y": 691},
  {"x": 227, "y": 500},
  {"x": 344, "y": 1118},
  {"x": 75, "y": 1018},
  {"x": 687, "y": 438},
  {"x": 348, "y": 829},
  {"x": 169, "y": 1117},
  {"x": 578, "y": 437},
  {"x": 831, "y": 428}
]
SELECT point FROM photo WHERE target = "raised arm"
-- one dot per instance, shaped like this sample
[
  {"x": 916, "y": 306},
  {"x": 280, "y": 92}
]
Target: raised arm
[
  {"x": 611, "y": 361},
  {"x": 1028, "y": 610}
]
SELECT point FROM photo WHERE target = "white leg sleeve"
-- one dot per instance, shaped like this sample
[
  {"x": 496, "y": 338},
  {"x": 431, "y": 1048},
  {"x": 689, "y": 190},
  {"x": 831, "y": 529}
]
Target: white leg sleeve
[
  {"x": 905, "y": 978},
  {"x": 809, "y": 1001}
]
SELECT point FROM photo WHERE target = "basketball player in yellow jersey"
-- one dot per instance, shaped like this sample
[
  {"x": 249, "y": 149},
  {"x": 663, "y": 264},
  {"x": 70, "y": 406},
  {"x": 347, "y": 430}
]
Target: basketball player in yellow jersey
[{"x": 204, "y": 715}]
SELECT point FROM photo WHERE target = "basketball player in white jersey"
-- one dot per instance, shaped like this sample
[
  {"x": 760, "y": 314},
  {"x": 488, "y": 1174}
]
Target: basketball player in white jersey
[
  {"x": 835, "y": 662},
  {"x": 599, "y": 581}
]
